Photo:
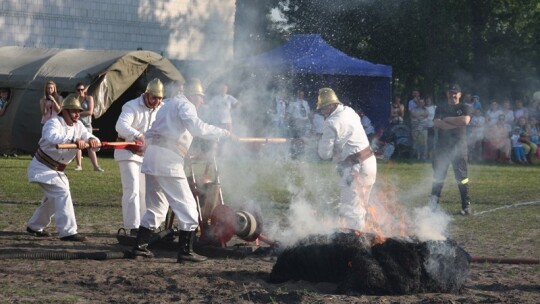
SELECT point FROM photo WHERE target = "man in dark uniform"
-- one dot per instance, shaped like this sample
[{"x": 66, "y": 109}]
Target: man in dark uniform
[{"x": 451, "y": 120}]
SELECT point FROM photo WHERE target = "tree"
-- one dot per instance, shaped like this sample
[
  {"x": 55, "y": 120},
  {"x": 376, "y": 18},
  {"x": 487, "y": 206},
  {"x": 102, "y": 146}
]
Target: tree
[{"x": 489, "y": 46}]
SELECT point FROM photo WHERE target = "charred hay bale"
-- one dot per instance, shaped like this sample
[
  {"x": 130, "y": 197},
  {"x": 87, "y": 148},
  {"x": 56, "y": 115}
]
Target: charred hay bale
[
  {"x": 402, "y": 265},
  {"x": 318, "y": 258},
  {"x": 446, "y": 266},
  {"x": 394, "y": 267}
]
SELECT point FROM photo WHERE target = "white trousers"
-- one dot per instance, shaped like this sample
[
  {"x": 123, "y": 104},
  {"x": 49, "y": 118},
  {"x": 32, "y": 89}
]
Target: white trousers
[
  {"x": 356, "y": 184},
  {"x": 56, "y": 202},
  {"x": 133, "y": 193},
  {"x": 165, "y": 191}
]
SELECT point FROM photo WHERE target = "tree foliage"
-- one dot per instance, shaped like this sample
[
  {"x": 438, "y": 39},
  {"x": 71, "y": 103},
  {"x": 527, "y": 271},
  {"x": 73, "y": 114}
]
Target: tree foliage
[{"x": 490, "y": 47}]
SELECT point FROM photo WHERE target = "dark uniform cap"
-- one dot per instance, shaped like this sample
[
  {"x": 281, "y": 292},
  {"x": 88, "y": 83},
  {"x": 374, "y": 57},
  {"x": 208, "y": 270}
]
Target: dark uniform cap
[{"x": 454, "y": 88}]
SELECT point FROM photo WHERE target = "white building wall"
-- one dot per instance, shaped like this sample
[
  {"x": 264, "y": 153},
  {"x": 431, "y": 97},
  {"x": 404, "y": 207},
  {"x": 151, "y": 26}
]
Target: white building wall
[{"x": 179, "y": 29}]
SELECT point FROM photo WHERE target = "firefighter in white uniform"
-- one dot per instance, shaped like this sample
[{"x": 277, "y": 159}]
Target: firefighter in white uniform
[
  {"x": 168, "y": 141},
  {"x": 136, "y": 118},
  {"x": 47, "y": 170},
  {"x": 344, "y": 139}
]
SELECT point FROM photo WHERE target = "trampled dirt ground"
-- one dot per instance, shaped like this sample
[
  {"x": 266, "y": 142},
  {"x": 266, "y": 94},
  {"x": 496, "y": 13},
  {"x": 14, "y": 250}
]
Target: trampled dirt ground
[{"x": 162, "y": 280}]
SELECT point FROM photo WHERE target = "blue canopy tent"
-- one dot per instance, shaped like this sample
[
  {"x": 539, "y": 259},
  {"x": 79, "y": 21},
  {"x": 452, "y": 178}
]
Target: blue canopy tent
[{"x": 357, "y": 82}]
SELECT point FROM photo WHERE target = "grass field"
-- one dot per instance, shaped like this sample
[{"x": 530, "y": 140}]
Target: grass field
[{"x": 272, "y": 185}]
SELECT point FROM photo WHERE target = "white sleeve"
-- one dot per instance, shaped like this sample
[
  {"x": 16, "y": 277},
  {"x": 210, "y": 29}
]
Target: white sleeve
[
  {"x": 124, "y": 124},
  {"x": 197, "y": 127},
  {"x": 327, "y": 142}
]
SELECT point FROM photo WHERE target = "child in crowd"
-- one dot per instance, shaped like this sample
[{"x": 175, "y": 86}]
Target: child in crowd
[
  {"x": 533, "y": 130},
  {"x": 4, "y": 99},
  {"x": 517, "y": 146}
]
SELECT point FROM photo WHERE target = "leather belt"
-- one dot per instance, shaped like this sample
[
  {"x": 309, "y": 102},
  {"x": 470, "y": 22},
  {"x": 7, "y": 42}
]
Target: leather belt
[
  {"x": 358, "y": 157},
  {"x": 45, "y": 159}
]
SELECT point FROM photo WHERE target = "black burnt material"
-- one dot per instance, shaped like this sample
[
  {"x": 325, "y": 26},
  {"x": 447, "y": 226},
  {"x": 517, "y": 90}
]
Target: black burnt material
[{"x": 394, "y": 267}]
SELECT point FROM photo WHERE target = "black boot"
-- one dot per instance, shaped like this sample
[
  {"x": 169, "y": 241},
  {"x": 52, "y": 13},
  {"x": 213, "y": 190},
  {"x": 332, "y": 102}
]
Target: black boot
[
  {"x": 141, "y": 246},
  {"x": 185, "y": 253},
  {"x": 465, "y": 200}
]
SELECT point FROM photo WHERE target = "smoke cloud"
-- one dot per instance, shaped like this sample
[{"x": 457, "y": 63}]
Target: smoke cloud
[
  {"x": 430, "y": 224},
  {"x": 305, "y": 196}
]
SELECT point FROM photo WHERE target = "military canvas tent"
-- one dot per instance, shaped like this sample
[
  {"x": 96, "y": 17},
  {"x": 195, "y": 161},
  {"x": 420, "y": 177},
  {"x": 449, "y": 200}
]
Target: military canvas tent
[
  {"x": 109, "y": 75},
  {"x": 357, "y": 82}
]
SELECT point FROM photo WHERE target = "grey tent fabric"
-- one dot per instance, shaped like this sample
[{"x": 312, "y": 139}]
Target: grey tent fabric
[{"x": 108, "y": 73}]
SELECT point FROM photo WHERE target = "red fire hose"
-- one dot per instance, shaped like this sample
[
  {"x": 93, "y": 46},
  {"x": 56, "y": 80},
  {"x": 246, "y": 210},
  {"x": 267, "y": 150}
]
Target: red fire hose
[{"x": 107, "y": 145}]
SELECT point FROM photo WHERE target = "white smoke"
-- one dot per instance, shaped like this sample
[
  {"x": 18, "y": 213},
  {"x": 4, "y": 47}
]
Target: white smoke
[
  {"x": 313, "y": 209},
  {"x": 430, "y": 224},
  {"x": 304, "y": 219}
]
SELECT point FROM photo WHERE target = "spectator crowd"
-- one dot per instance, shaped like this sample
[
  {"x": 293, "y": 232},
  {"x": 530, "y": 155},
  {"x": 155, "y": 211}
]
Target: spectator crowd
[{"x": 503, "y": 130}]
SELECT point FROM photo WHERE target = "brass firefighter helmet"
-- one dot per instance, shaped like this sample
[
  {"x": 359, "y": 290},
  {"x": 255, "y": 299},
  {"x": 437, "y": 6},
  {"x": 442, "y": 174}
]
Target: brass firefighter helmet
[
  {"x": 155, "y": 88},
  {"x": 326, "y": 97},
  {"x": 195, "y": 87},
  {"x": 72, "y": 103}
]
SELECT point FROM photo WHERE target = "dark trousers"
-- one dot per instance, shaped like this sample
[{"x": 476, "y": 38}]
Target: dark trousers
[{"x": 442, "y": 159}]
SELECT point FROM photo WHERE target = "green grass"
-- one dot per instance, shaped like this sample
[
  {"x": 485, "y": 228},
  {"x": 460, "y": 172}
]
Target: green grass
[{"x": 272, "y": 185}]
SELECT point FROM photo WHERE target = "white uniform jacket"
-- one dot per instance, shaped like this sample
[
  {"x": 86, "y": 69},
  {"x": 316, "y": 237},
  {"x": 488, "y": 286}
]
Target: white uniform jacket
[
  {"x": 56, "y": 131},
  {"x": 135, "y": 119},
  {"x": 298, "y": 109},
  {"x": 170, "y": 137},
  {"x": 221, "y": 107},
  {"x": 343, "y": 134}
]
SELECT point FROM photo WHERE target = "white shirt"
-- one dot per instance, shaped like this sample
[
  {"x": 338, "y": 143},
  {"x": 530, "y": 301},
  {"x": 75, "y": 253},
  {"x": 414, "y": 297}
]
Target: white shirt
[
  {"x": 220, "y": 107},
  {"x": 171, "y": 134},
  {"x": 56, "y": 131},
  {"x": 343, "y": 134},
  {"x": 431, "y": 115},
  {"x": 298, "y": 109},
  {"x": 493, "y": 116},
  {"x": 135, "y": 119},
  {"x": 281, "y": 110},
  {"x": 368, "y": 127},
  {"x": 318, "y": 123}
]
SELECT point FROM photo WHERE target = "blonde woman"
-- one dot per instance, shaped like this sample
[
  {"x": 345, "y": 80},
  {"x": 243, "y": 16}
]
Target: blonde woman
[{"x": 51, "y": 102}]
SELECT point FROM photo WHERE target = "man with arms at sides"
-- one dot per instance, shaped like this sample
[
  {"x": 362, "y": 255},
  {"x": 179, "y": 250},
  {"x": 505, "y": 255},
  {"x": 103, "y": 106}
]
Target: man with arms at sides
[
  {"x": 135, "y": 119},
  {"x": 221, "y": 105}
]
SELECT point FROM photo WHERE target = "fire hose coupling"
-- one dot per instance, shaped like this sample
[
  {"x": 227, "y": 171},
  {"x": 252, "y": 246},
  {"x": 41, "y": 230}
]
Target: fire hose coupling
[{"x": 246, "y": 225}]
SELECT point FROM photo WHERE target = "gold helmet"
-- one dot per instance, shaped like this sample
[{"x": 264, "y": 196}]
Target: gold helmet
[
  {"x": 155, "y": 88},
  {"x": 195, "y": 87},
  {"x": 72, "y": 103},
  {"x": 326, "y": 97}
]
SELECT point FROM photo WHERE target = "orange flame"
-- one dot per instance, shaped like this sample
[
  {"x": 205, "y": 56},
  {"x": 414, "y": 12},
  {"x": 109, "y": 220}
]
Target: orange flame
[{"x": 385, "y": 217}]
